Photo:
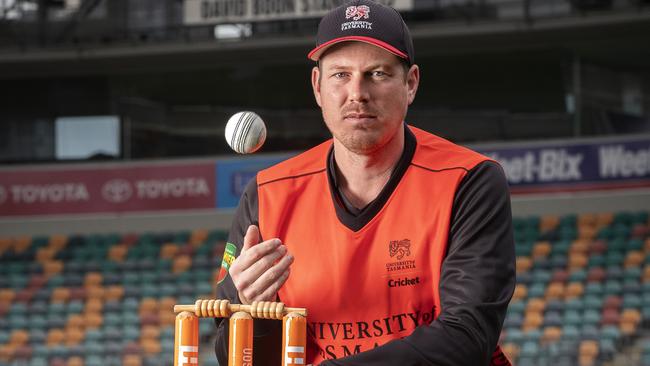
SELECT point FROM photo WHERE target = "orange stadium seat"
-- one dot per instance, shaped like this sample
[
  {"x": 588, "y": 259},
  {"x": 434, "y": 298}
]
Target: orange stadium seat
[
  {"x": 93, "y": 279},
  {"x": 181, "y": 263},
  {"x": 198, "y": 237},
  {"x": 523, "y": 264},
  {"x": 75, "y": 361},
  {"x": 634, "y": 259},
  {"x": 168, "y": 251},
  {"x": 118, "y": 253},
  {"x": 574, "y": 290},
  {"x": 551, "y": 334},
  {"x": 541, "y": 250},
  {"x": 555, "y": 290},
  {"x": 132, "y": 360}
]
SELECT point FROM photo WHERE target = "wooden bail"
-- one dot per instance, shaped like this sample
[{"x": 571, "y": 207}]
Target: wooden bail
[
  {"x": 240, "y": 343},
  {"x": 294, "y": 339},
  {"x": 186, "y": 340}
]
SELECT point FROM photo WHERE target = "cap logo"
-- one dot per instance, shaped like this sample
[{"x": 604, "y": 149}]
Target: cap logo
[
  {"x": 354, "y": 13},
  {"x": 357, "y": 12}
]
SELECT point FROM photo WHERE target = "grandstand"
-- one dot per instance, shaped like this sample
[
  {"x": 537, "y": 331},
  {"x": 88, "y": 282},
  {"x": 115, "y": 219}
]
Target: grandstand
[{"x": 96, "y": 245}]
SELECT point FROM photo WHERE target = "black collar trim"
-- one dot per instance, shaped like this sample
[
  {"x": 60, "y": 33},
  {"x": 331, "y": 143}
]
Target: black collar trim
[{"x": 355, "y": 223}]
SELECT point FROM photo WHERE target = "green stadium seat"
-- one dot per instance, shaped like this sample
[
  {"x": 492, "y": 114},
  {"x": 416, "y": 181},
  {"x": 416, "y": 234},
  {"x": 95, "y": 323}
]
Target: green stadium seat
[
  {"x": 633, "y": 273},
  {"x": 129, "y": 318},
  {"x": 572, "y": 317},
  {"x": 4, "y": 337},
  {"x": 596, "y": 261},
  {"x": 594, "y": 288},
  {"x": 38, "y": 361},
  {"x": 614, "y": 273},
  {"x": 591, "y": 317},
  {"x": 205, "y": 288},
  {"x": 74, "y": 307},
  {"x": 632, "y": 301},
  {"x": 560, "y": 248},
  {"x": 112, "y": 320},
  {"x": 570, "y": 332},
  {"x": 558, "y": 261},
  {"x": 41, "y": 351},
  {"x": 575, "y": 304},
  {"x": 594, "y": 302},
  {"x": 93, "y": 360},
  {"x": 529, "y": 349},
  {"x": 613, "y": 287},
  {"x": 553, "y": 319},
  {"x": 610, "y": 332},
  {"x": 634, "y": 244},
  {"x": 579, "y": 275},
  {"x": 37, "y": 322},
  {"x": 590, "y": 331}
]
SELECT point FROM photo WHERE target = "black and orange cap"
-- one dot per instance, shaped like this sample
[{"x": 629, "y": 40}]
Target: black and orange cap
[{"x": 364, "y": 21}]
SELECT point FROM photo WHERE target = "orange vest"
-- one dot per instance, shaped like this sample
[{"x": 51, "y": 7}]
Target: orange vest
[{"x": 363, "y": 288}]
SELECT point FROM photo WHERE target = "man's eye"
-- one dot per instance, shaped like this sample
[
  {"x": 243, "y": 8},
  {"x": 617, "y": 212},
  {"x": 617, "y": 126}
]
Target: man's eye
[
  {"x": 339, "y": 75},
  {"x": 378, "y": 73}
]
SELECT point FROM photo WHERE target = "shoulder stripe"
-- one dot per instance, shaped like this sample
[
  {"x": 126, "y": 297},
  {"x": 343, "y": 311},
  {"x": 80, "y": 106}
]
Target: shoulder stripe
[
  {"x": 292, "y": 177},
  {"x": 440, "y": 170}
]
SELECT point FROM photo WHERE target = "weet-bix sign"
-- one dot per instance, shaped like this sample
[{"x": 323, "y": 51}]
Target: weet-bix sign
[{"x": 576, "y": 166}]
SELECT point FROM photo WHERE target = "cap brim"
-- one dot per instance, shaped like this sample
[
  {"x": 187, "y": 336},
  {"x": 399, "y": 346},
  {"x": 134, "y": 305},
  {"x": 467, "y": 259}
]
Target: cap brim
[{"x": 318, "y": 51}]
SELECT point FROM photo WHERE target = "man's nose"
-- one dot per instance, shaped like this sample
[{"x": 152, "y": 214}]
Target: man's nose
[{"x": 358, "y": 89}]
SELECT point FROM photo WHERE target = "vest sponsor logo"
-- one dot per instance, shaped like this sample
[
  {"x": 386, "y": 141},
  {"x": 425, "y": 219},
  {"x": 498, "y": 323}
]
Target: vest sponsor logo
[
  {"x": 401, "y": 282},
  {"x": 336, "y": 340}
]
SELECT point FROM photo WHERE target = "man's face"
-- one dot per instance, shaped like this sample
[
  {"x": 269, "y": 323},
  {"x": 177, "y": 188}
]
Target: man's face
[{"x": 364, "y": 92}]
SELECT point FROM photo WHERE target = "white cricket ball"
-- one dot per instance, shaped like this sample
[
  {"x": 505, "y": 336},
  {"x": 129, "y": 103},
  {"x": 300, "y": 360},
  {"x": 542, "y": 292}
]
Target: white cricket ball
[{"x": 245, "y": 132}]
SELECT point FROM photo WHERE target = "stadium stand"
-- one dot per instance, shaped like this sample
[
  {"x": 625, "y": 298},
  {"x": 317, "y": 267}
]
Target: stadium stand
[
  {"x": 101, "y": 299},
  {"x": 582, "y": 298}
]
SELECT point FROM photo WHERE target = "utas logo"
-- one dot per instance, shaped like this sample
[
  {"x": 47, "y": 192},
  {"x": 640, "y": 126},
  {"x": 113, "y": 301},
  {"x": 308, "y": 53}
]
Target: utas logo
[
  {"x": 117, "y": 191},
  {"x": 357, "y": 12},
  {"x": 3, "y": 195},
  {"x": 399, "y": 248}
]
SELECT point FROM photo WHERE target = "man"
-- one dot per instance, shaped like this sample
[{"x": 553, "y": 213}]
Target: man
[{"x": 399, "y": 243}]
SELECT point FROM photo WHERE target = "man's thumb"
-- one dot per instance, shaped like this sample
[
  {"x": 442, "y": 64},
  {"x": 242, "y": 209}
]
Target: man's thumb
[{"x": 251, "y": 238}]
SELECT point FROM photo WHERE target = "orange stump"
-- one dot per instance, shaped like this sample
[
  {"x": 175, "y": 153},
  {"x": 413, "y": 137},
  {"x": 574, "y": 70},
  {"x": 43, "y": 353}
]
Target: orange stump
[
  {"x": 294, "y": 339},
  {"x": 240, "y": 344},
  {"x": 186, "y": 342}
]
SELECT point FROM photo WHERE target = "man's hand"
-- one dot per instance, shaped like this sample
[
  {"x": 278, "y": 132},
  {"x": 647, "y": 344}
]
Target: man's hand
[{"x": 261, "y": 268}]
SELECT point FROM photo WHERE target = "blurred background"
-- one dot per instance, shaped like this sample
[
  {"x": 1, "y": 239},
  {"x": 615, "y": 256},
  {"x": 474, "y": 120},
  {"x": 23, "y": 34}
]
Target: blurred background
[{"x": 117, "y": 187}]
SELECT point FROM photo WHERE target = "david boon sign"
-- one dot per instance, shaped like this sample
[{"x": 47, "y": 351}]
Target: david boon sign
[{"x": 229, "y": 11}]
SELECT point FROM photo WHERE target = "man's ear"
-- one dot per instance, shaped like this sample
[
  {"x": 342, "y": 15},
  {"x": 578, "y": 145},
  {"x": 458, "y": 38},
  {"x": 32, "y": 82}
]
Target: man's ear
[
  {"x": 315, "y": 84},
  {"x": 412, "y": 81}
]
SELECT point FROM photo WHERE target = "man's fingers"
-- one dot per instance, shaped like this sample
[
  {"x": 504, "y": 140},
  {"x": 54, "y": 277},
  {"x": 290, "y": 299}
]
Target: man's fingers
[
  {"x": 263, "y": 264},
  {"x": 271, "y": 293},
  {"x": 251, "y": 238},
  {"x": 269, "y": 278},
  {"x": 254, "y": 254}
]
